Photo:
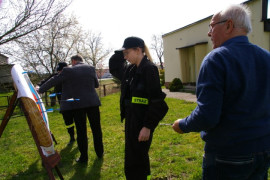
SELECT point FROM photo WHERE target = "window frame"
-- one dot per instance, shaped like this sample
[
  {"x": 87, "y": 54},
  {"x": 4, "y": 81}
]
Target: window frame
[{"x": 265, "y": 19}]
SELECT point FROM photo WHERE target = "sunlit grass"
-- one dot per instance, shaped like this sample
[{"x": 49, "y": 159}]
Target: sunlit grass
[{"x": 173, "y": 156}]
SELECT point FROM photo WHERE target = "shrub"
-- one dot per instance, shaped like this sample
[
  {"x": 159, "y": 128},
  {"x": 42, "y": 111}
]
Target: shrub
[{"x": 175, "y": 85}]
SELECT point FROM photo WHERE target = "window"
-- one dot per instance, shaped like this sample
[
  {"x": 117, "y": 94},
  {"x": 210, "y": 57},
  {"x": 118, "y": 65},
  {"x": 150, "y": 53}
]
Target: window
[
  {"x": 266, "y": 14},
  {"x": 268, "y": 10}
]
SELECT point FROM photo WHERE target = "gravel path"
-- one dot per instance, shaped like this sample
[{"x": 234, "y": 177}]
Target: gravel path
[{"x": 180, "y": 95}]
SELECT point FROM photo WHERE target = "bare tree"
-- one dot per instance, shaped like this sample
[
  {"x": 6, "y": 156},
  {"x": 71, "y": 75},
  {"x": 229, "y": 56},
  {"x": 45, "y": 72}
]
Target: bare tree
[
  {"x": 43, "y": 49},
  {"x": 157, "y": 46},
  {"x": 21, "y": 17},
  {"x": 92, "y": 49}
]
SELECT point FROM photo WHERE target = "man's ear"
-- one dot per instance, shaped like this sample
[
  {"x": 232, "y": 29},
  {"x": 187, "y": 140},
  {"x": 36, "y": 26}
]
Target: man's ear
[{"x": 229, "y": 26}]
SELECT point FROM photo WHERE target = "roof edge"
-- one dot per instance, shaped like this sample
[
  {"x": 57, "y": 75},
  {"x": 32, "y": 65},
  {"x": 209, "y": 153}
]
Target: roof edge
[
  {"x": 199, "y": 43},
  {"x": 196, "y": 22}
]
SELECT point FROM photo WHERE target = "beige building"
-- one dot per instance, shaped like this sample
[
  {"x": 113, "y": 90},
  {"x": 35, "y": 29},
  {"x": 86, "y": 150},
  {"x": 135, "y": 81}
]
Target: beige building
[
  {"x": 185, "y": 48},
  {"x": 5, "y": 74}
]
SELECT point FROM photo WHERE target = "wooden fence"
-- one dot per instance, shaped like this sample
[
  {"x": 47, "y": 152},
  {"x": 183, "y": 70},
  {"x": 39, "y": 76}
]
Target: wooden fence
[
  {"x": 103, "y": 90},
  {"x": 107, "y": 89}
]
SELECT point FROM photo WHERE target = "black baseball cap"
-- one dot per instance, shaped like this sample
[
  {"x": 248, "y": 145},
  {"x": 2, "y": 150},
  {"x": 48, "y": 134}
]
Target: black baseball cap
[
  {"x": 132, "y": 42},
  {"x": 60, "y": 66}
]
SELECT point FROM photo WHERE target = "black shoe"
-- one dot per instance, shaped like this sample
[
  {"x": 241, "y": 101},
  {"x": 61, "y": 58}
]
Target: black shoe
[{"x": 82, "y": 160}]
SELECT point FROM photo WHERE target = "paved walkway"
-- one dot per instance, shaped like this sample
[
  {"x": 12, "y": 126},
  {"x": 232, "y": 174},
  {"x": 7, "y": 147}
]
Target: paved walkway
[{"x": 180, "y": 95}]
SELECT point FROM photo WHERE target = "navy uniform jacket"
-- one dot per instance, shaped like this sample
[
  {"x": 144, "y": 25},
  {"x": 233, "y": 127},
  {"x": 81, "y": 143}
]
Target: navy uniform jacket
[
  {"x": 78, "y": 82},
  {"x": 141, "y": 90}
]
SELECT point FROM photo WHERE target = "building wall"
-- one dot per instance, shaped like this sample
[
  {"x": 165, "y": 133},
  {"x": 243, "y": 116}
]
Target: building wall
[
  {"x": 179, "y": 46},
  {"x": 185, "y": 48},
  {"x": 258, "y": 36},
  {"x": 171, "y": 57},
  {"x": 3, "y": 59},
  {"x": 200, "y": 53},
  {"x": 5, "y": 74}
]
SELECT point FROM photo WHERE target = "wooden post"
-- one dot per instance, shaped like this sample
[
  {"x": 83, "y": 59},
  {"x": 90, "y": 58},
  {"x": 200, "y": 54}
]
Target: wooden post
[
  {"x": 12, "y": 105},
  {"x": 8, "y": 100},
  {"x": 104, "y": 90},
  {"x": 46, "y": 101},
  {"x": 53, "y": 100}
]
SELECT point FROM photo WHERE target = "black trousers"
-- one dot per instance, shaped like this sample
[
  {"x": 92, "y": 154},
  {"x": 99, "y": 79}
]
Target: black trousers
[
  {"x": 79, "y": 117},
  {"x": 93, "y": 115},
  {"x": 137, "y": 163},
  {"x": 69, "y": 122}
]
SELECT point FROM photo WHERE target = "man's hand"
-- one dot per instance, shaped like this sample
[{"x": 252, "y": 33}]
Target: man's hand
[
  {"x": 144, "y": 134},
  {"x": 37, "y": 88},
  {"x": 176, "y": 127}
]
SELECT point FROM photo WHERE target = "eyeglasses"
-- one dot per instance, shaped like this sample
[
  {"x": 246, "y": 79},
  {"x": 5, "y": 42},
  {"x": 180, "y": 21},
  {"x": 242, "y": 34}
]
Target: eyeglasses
[{"x": 211, "y": 26}]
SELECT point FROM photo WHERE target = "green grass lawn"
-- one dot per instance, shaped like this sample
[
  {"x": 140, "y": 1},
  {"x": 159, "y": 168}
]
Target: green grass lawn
[{"x": 172, "y": 156}]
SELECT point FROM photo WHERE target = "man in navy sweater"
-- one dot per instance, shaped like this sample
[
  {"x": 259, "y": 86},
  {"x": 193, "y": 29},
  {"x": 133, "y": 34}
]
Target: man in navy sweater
[{"x": 233, "y": 97}]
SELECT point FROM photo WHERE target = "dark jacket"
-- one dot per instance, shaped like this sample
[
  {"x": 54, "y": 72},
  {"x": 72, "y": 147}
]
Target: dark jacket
[
  {"x": 78, "y": 82},
  {"x": 57, "y": 88},
  {"x": 141, "y": 90}
]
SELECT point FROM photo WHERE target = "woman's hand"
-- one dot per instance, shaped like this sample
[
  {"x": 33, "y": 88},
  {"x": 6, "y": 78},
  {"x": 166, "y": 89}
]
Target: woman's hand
[{"x": 144, "y": 134}]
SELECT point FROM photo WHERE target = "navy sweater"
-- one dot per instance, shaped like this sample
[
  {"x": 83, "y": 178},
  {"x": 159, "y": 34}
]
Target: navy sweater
[{"x": 233, "y": 91}]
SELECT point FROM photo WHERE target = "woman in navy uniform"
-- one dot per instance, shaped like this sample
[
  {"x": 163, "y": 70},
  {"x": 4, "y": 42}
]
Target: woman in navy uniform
[{"x": 142, "y": 103}]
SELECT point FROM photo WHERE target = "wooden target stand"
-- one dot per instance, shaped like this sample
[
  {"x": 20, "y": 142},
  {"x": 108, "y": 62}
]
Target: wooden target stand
[{"x": 48, "y": 162}]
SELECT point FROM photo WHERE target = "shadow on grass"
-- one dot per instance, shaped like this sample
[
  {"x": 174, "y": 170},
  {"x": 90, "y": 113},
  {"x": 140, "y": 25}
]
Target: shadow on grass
[
  {"x": 91, "y": 170},
  {"x": 95, "y": 170},
  {"x": 33, "y": 171},
  {"x": 81, "y": 170},
  {"x": 68, "y": 153}
]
